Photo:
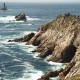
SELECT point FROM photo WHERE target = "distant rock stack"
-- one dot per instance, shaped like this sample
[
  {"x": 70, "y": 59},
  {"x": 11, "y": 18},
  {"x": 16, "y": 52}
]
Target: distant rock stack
[{"x": 4, "y": 7}]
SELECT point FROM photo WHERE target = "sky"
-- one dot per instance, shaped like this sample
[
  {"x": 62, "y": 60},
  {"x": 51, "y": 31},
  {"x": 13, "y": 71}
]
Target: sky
[{"x": 43, "y": 1}]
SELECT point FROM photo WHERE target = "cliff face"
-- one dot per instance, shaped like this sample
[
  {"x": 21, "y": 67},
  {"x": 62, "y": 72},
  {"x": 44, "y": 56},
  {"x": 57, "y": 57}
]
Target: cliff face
[{"x": 60, "y": 39}]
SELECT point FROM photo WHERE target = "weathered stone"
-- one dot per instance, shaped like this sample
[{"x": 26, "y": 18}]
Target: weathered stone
[
  {"x": 28, "y": 37},
  {"x": 23, "y": 39},
  {"x": 20, "y": 17},
  {"x": 44, "y": 54},
  {"x": 50, "y": 74},
  {"x": 34, "y": 40}
]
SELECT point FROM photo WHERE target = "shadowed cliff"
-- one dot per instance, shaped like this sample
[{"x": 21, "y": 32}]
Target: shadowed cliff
[{"x": 59, "y": 38}]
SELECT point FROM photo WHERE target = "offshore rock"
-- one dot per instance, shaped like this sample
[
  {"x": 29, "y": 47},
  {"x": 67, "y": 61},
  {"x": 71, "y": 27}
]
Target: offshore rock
[
  {"x": 20, "y": 17},
  {"x": 4, "y": 7},
  {"x": 60, "y": 38}
]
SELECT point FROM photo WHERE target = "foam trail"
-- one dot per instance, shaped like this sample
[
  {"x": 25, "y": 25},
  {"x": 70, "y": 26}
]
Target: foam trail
[
  {"x": 6, "y": 19},
  {"x": 30, "y": 73},
  {"x": 11, "y": 19},
  {"x": 32, "y": 19},
  {"x": 52, "y": 63},
  {"x": 27, "y": 24},
  {"x": 27, "y": 48},
  {"x": 34, "y": 76}
]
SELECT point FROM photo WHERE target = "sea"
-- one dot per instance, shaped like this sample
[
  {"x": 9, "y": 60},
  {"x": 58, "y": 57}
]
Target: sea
[{"x": 17, "y": 62}]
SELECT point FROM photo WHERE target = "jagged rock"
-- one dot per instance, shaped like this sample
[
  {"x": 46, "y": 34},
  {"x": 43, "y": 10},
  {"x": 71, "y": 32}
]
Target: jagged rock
[
  {"x": 44, "y": 54},
  {"x": 66, "y": 55},
  {"x": 66, "y": 70},
  {"x": 50, "y": 74},
  {"x": 28, "y": 37},
  {"x": 61, "y": 37},
  {"x": 74, "y": 71},
  {"x": 23, "y": 39},
  {"x": 76, "y": 77},
  {"x": 34, "y": 41},
  {"x": 64, "y": 34},
  {"x": 20, "y": 17}
]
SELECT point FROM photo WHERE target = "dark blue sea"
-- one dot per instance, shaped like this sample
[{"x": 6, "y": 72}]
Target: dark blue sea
[{"x": 16, "y": 60}]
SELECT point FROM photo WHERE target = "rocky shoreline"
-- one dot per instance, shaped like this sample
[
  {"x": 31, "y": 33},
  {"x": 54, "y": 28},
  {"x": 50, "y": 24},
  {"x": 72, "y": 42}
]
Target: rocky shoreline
[{"x": 59, "y": 38}]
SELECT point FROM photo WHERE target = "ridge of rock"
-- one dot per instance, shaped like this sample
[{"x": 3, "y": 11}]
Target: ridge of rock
[{"x": 60, "y": 38}]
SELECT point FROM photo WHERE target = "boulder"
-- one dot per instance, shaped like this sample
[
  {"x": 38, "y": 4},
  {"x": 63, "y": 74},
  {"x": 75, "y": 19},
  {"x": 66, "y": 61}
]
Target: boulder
[{"x": 20, "y": 17}]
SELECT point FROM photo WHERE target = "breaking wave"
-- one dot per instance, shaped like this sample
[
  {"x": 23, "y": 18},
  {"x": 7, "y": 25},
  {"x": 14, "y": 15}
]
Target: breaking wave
[{"x": 11, "y": 19}]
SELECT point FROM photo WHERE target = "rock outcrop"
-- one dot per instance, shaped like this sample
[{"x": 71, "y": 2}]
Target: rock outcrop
[
  {"x": 20, "y": 17},
  {"x": 60, "y": 38},
  {"x": 23, "y": 39}
]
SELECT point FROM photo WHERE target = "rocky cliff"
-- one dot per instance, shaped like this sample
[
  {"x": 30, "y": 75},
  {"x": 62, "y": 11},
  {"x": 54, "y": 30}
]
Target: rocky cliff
[{"x": 59, "y": 38}]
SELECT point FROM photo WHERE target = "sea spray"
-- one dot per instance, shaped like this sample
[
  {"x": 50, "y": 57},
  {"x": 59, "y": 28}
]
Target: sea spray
[{"x": 11, "y": 19}]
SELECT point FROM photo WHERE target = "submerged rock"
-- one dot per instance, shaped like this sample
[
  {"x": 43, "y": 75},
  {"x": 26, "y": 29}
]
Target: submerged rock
[
  {"x": 59, "y": 38},
  {"x": 20, "y": 17}
]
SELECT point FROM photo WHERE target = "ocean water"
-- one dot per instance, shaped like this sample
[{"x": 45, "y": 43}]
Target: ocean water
[{"x": 16, "y": 60}]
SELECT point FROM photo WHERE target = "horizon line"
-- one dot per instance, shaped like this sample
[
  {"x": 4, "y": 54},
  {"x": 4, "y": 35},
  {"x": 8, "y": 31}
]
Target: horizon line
[{"x": 42, "y": 2}]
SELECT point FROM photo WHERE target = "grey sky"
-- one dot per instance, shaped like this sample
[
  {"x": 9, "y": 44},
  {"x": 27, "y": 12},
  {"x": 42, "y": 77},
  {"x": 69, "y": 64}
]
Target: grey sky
[{"x": 43, "y": 1}]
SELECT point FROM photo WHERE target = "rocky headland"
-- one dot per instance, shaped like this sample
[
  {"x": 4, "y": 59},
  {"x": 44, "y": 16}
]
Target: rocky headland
[{"x": 59, "y": 38}]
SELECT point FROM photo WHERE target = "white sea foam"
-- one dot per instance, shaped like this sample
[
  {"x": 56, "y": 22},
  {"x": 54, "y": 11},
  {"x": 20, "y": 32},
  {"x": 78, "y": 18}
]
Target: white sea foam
[
  {"x": 10, "y": 9},
  {"x": 27, "y": 48},
  {"x": 27, "y": 24},
  {"x": 31, "y": 76},
  {"x": 3, "y": 53},
  {"x": 0, "y": 71},
  {"x": 6, "y": 41},
  {"x": 11, "y": 19},
  {"x": 29, "y": 73},
  {"x": 54, "y": 63},
  {"x": 57, "y": 65},
  {"x": 32, "y": 19},
  {"x": 17, "y": 60},
  {"x": 6, "y": 19}
]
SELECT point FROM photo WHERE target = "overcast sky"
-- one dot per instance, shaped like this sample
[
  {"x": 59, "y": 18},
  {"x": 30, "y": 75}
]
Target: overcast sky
[{"x": 43, "y": 1}]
